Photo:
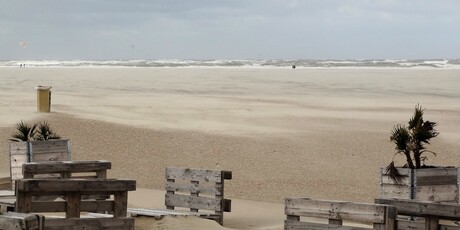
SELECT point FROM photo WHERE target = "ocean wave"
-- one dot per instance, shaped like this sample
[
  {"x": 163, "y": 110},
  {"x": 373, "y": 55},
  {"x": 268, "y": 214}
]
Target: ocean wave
[{"x": 262, "y": 63}]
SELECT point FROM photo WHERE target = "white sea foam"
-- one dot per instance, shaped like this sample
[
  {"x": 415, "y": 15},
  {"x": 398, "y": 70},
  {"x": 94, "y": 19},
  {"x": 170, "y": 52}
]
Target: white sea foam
[{"x": 242, "y": 63}]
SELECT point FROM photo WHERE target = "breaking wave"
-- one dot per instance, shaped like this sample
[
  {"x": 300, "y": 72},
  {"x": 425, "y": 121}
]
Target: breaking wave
[{"x": 310, "y": 63}]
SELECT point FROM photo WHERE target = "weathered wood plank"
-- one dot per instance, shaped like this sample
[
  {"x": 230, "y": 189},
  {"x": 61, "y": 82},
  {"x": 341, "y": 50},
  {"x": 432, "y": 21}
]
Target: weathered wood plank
[
  {"x": 66, "y": 166},
  {"x": 444, "y": 171},
  {"x": 19, "y": 148},
  {"x": 395, "y": 191},
  {"x": 18, "y": 160},
  {"x": 49, "y": 146},
  {"x": 120, "y": 204},
  {"x": 21, "y": 221},
  {"x": 126, "y": 223},
  {"x": 437, "y": 193},
  {"x": 201, "y": 175},
  {"x": 448, "y": 211},
  {"x": 73, "y": 201},
  {"x": 60, "y": 206},
  {"x": 51, "y": 150},
  {"x": 207, "y": 189},
  {"x": 437, "y": 180},
  {"x": 358, "y": 212},
  {"x": 70, "y": 185},
  {"x": 184, "y": 201}
]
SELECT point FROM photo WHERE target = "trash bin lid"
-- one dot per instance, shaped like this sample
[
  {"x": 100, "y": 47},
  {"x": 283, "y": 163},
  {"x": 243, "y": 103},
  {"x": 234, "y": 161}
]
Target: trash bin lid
[{"x": 40, "y": 87}]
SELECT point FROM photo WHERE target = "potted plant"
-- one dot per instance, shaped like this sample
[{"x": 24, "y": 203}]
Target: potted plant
[
  {"x": 34, "y": 143},
  {"x": 415, "y": 180}
]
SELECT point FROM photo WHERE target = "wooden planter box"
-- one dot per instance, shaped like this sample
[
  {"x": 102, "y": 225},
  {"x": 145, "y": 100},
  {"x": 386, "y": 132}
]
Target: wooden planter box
[
  {"x": 440, "y": 184},
  {"x": 36, "y": 151}
]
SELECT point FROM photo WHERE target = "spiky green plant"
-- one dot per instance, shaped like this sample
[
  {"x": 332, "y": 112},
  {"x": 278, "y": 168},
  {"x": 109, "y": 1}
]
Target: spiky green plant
[
  {"x": 24, "y": 132},
  {"x": 40, "y": 131},
  {"x": 45, "y": 133},
  {"x": 411, "y": 140}
]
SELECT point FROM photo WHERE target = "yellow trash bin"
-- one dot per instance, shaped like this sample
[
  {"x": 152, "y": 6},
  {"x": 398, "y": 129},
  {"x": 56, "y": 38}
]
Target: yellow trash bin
[{"x": 43, "y": 99}]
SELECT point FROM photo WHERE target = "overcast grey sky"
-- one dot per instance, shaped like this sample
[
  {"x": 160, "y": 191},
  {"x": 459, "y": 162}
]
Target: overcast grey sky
[{"x": 229, "y": 29}]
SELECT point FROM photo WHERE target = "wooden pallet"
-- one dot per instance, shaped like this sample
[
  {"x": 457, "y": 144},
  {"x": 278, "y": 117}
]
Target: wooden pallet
[
  {"x": 428, "y": 214},
  {"x": 195, "y": 190},
  {"x": 73, "y": 205},
  {"x": 381, "y": 217}
]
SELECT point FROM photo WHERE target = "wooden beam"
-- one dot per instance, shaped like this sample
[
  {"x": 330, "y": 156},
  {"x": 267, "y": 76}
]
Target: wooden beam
[
  {"x": 201, "y": 175},
  {"x": 448, "y": 211},
  {"x": 66, "y": 166},
  {"x": 72, "y": 185},
  {"x": 21, "y": 221}
]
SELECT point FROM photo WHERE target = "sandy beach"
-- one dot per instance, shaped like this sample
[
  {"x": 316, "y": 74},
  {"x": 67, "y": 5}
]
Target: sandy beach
[{"x": 319, "y": 133}]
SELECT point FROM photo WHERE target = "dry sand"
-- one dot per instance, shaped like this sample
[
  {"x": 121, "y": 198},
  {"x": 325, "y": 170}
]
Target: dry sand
[{"x": 320, "y": 133}]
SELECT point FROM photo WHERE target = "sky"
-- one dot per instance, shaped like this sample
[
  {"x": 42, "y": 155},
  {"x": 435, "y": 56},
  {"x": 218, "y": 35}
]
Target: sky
[{"x": 229, "y": 29}]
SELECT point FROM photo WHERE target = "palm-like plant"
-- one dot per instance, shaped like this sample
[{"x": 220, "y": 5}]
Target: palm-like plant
[
  {"x": 45, "y": 133},
  {"x": 37, "y": 132},
  {"x": 410, "y": 141},
  {"x": 24, "y": 132}
]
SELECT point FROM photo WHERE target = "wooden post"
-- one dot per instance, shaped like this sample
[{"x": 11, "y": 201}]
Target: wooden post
[
  {"x": 73, "y": 201},
  {"x": 121, "y": 204},
  {"x": 23, "y": 202},
  {"x": 431, "y": 222}
]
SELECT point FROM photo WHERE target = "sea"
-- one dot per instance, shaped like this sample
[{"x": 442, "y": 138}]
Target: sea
[{"x": 260, "y": 63}]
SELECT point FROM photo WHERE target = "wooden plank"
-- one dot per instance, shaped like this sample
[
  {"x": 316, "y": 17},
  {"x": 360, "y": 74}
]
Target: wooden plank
[
  {"x": 160, "y": 213},
  {"x": 16, "y": 173},
  {"x": 54, "y": 156},
  {"x": 441, "y": 171},
  {"x": 437, "y": 193},
  {"x": 66, "y": 166},
  {"x": 200, "y": 175},
  {"x": 120, "y": 204},
  {"x": 405, "y": 224},
  {"x": 448, "y": 211},
  {"x": 386, "y": 179},
  {"x": 51, "y": 150},
  {"x": 298, "y": 225},
  {"x": 19, "y": 148},
  {"x": 208, "y": 189},
  {"x": 23, "y": 202},
  {"x": 437, "y": 180},
  {"x": 126, "y": 223},
  {"x": 357, "y": 212},
  {"x": 18, "y": 160},
  {"x": 206, "y": 203},
  {"x": 73, "y": 201},
  {"x": 60, "y": 206},
  {"x": 50, "y": 146},
  {"x": 21, "y": 221},
  {"x": 73, "y": 185},
  {"x": 395, "y": 191}
]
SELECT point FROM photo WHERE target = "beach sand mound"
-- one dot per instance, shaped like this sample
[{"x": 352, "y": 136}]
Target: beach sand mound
[{"x": 176, "y": 223}]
